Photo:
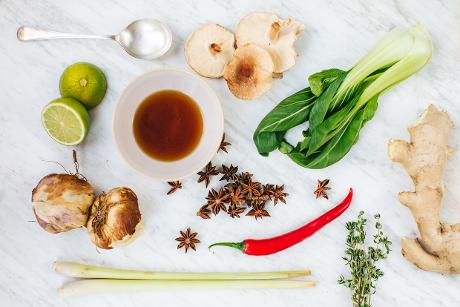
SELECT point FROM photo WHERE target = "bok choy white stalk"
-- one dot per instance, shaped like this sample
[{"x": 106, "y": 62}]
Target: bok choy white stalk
[{"x": 338, "y": 103}]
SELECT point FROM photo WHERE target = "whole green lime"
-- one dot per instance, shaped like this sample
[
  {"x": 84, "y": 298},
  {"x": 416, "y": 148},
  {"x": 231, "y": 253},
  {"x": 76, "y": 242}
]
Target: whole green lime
[{"x": 85, "y": 82}]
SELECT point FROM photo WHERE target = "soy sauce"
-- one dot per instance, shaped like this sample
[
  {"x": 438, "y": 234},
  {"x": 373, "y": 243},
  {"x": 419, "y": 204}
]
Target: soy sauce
[{"x": 168, "y": 125}]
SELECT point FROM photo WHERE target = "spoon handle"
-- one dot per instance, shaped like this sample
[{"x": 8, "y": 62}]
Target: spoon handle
[{"x": 28, "y": 34}]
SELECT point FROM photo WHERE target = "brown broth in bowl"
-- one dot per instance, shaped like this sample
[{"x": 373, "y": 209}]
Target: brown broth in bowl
[{"x": 168, "y": 125}]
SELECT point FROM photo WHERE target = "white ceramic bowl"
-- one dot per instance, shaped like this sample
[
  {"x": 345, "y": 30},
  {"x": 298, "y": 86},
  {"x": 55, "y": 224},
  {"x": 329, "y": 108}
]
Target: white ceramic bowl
[{"x": 145, "y": 85}]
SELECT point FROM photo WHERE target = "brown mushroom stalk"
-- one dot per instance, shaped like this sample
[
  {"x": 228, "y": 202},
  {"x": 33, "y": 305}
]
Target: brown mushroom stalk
[{"x": 274, "y": 32}]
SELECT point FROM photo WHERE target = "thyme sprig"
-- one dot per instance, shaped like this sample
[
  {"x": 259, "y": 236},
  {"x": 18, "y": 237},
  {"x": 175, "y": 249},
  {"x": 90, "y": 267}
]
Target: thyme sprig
[{"x": 362, "y": 261}]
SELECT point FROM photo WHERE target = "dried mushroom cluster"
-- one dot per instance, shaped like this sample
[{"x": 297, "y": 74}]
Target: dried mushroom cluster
[
  {"x": 261, "y": 48},
  {"x": 240, "y": 193}
]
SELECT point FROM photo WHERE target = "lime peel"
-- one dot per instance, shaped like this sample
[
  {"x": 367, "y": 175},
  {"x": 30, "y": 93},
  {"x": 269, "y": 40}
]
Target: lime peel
[{"x": 85, "y": 82}]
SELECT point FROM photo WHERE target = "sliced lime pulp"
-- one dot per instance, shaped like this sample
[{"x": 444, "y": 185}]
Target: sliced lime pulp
[{"x": 66, "y": 120}]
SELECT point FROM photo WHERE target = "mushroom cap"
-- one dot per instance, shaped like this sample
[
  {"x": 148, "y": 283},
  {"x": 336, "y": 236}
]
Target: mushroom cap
[
  {"x": 249, "y": 72},
  {"x": 272, "y": 33},
  {"x": 208, "y": 49}
]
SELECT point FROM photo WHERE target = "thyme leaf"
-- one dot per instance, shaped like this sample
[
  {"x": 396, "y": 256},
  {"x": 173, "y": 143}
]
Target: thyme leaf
[{"x": 362, "y": 260}]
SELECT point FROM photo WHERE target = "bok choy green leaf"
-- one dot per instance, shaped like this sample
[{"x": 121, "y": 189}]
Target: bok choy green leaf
[{"x": 338, "y": 103}]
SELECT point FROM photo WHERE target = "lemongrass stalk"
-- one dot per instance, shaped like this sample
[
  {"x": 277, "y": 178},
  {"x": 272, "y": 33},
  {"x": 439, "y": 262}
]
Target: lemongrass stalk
[
  {"x": 78, "y": 270},
  {"x": 99, "y": 286}
]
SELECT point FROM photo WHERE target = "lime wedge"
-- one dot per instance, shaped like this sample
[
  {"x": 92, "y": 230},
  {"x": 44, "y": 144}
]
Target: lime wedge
[{"x": 66, "y": 120}]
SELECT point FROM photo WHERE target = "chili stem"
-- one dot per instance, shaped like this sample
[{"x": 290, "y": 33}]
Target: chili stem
[{"x": 237, "y": 245}]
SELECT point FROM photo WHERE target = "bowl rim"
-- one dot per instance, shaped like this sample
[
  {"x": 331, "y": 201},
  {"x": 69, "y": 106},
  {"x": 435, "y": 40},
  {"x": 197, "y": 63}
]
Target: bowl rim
[{"x": 220, "y": 114}]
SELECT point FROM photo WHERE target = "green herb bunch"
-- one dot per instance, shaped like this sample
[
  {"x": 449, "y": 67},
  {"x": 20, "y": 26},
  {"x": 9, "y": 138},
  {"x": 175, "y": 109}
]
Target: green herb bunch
[{"x": 362, "y": 261}]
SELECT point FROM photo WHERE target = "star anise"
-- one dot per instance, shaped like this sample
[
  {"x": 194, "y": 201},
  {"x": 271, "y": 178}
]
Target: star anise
[
  {"x": 235, "y": 194},
  {"x": 235, "y": 211},
  {"x": 231, "y": 185},
  {"x": 175, "y": 185},
  {"x": 207, "y": 173},
  {"x": 229, "y": 172},
  {"x": 187, "y": 239},
  {"x": 268, "y": 190},
  {"x": 279, "y": 194},
  {"x": 258, "y": 210},
  {"x": 217, "y": 200},
  {"x": 251, "y": 188},
  {"x": 204, "y": 212},
  {"x": 321, "y": 188},
  {"x": 244, "y": 177},
  {"x": 224, "y": 144},
  {"x": 240, "y": 191},
  {"x": 261, "y": 196}
]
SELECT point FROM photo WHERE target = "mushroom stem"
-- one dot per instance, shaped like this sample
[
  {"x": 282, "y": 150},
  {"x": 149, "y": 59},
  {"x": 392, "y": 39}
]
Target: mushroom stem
[
  {"x": 208, "y": 49},
  {"x": 274, "y": 32},
  {"x": 214, "y": 48}
]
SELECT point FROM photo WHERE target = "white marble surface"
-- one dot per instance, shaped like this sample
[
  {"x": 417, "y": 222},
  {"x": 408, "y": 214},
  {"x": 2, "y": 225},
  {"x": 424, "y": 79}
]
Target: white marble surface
[{"x": 336, "y": 34}]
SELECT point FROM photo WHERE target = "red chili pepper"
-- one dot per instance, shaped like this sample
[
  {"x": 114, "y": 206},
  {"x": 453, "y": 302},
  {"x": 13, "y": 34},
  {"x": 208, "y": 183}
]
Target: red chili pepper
[{"x": 276, "y": 244}]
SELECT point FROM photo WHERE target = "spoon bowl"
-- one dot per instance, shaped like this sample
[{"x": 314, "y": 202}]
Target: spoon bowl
[{"x": 145, "y": 39}]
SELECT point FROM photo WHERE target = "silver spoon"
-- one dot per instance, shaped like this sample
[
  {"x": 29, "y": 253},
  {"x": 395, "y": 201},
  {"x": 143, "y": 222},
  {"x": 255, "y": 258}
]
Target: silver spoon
[{"x": 145, "y": 39}]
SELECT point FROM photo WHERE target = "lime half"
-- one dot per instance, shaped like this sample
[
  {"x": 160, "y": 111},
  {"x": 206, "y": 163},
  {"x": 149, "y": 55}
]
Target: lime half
[{"x": 66, "y": 120}]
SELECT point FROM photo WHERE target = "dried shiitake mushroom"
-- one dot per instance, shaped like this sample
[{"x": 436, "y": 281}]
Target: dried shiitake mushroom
[
  {"x": 249, "y": 72},
  {"x": 272, "y": 33},
  {"x": 208, "y": 49},
  {"x": 115, "y": 218},
  {"x": 265, "y": 48}
]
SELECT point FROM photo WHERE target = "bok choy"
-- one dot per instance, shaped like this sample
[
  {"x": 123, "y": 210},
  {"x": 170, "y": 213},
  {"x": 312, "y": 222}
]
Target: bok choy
[{"x": 338, "y": 103}]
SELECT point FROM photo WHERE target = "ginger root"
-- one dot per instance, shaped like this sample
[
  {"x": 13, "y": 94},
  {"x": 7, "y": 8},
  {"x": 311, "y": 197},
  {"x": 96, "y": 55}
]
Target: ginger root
[{"x": 423, "y": 159}]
